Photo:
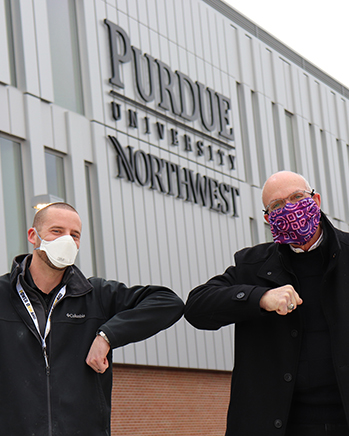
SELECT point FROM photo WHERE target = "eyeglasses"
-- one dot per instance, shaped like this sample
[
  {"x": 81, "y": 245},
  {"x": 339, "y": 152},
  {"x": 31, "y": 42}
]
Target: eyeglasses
[{"x": 292, "y": 198}]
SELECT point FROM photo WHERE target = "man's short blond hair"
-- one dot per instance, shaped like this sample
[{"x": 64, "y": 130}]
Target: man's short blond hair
[{"x": 40, "y": 215}]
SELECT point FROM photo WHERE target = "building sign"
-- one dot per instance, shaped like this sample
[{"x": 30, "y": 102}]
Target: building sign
[
  {"x": 180, "y": 101},
  {"x": 167, "y": 177}
]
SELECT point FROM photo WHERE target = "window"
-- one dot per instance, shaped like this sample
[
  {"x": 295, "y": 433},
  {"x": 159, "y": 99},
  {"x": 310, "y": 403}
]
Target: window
[
  {"x": 55, "y": 174},
  {"x": 327, "y": 175},
  {"x": 244, "y": 131},
  {"x": 65, "y": 56},
  {"x": 258, "y": 135},
  {"x": 342, "y": 174},
  {"x": 13, "y": 195},
  {"x": 90, "y": 218},
  {"x": 315, "y": 153},
  {"x": 277, "y": 134},
  {"x": 290, "y": 141},
  {"x": 10, "y": 42}
]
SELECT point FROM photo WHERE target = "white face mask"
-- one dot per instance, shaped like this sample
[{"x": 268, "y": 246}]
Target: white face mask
[{"x": 61, "y": 251}]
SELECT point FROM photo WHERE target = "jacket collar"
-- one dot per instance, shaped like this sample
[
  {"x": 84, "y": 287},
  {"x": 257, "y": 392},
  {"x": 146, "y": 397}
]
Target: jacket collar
[{"x": 76, "y": 282}]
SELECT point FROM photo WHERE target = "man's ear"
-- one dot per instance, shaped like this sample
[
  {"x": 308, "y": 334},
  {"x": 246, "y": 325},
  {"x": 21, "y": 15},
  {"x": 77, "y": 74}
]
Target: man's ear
[
  {"x": 317, "y": 199},
  {"x": 31, "y": 235},
  {"x": 266, "y": 217}
]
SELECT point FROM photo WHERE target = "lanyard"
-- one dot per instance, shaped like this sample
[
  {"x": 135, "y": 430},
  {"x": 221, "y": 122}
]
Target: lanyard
[{"x": 31, "y": 311}]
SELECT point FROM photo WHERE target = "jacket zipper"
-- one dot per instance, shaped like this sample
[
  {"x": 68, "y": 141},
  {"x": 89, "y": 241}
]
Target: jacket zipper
[
  {"x": 48, "y": 385},
  {"x": 48, "y": 312},
  {"x": 47, "y": 370}
]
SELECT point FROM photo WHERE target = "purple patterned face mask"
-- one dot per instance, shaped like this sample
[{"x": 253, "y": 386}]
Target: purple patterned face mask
[{"x": 295, "y": 223}]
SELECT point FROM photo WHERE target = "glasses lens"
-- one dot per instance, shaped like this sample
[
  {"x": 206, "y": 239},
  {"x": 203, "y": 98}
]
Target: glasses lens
[
  {"x": 293, "y": 198},
  {"x": 297, "y": 196},
  {"x": 276, "y": 204}
]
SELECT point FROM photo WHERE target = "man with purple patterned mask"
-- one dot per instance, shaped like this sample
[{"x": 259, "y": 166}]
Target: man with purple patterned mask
[
  {"x": 289, "y": 302},
  {"x": 292, "y": 209}
]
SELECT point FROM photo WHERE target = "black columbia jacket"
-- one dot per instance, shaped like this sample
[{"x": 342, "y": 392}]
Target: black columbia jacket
[
  {"x": 68, "y": 398},
  {"x": 267, "y": 345}
]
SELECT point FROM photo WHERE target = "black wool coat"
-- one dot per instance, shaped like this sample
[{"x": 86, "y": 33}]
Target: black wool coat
[{"x": 267, "y": 345}]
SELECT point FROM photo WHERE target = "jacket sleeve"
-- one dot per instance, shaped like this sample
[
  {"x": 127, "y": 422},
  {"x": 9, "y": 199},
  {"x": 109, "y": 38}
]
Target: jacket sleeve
[
  {"x": 223, "y": 301},
  {"x": 138, "y": 312}
]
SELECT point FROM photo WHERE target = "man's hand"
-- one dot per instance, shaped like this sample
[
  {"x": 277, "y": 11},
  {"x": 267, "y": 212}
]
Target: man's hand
[
  {"x": 97, "y": 356},
  {"x": 280, "y": 300}
]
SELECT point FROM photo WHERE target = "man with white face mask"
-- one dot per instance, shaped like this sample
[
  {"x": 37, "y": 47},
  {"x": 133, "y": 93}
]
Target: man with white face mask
[
  {"x": 57, "y": 330},
  {"x": 289, "y": 301}
]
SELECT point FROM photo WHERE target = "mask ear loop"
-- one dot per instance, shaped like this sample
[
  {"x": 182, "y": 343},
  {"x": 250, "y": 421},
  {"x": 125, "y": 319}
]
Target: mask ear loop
[{"x": 38, "y": 248}]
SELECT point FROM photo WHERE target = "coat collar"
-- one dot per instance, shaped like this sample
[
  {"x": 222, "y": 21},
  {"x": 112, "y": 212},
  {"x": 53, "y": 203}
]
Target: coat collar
[{"x": 76, "y": 282}]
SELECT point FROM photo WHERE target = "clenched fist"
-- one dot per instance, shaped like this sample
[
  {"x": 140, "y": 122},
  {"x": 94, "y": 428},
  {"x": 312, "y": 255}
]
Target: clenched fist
[{"x": 281, "y": 300}]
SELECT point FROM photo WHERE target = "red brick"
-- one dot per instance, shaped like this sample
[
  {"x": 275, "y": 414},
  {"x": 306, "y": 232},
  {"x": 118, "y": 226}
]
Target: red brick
[{"x": 151, "y": 401}]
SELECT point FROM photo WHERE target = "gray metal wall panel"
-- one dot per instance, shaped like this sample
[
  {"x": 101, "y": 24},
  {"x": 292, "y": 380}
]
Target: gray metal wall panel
[{"x": 143, "y": 236}]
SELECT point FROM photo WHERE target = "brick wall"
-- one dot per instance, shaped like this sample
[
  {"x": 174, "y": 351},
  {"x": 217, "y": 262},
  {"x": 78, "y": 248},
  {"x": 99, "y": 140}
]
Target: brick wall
[{"x": 150, "y": 401}]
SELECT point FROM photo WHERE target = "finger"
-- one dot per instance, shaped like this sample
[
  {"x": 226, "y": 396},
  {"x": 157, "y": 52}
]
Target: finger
[
  {"x": 299, "y": 301},
  {"x": 96, "y": 364},
  {"x": 97, "y": 355},
  {"x": 282, "y": 308},
  {"x": 287, "y": 304},
  {"x": 102, "y": 365},
  {"x": 294, "y": 304},
  {"x": 100, "y": 369},
  {"x": 282, "y": 312},
  {"x": 295, "y": 301}
]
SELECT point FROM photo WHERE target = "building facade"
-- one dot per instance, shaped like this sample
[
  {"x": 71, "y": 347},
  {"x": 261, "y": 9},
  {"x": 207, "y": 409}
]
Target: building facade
[{"x": 160, "y": 120}]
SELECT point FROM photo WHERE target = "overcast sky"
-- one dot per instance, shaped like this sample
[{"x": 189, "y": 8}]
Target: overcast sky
[{"x": 315, "y": 29}]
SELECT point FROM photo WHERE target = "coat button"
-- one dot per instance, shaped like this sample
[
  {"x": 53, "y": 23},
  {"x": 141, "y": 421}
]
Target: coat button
[
  {"x": 240, "y": 295},
  {"x": 288, "y": 377},
  {"x": 294, "y": 333},
  {"x": 269, "y": 273},
  {"x": 278, "y": 423}
]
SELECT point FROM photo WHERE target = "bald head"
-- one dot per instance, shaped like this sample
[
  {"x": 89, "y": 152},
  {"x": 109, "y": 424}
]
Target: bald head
[{"x": 282, "y": 184}]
